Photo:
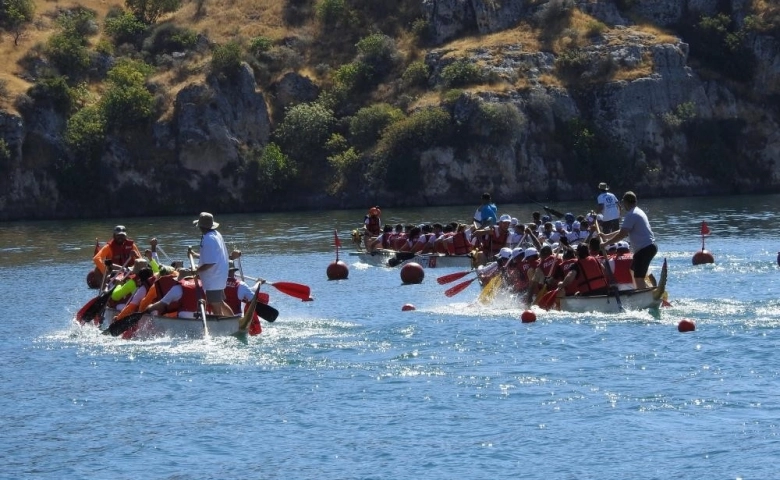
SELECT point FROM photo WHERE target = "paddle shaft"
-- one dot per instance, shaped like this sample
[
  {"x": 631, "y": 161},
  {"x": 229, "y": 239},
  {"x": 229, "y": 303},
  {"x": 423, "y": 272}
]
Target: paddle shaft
[
  {"x": 610, "y": 276},
  {"x": 201, "y": 301}
]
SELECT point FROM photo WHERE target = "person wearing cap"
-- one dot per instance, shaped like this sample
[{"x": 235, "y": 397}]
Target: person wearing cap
[
  {"x": 120, "y": 250},
  {"x": 129, "y": 284},
  {"x": 212, "y": 264},
  {"x": 609, "y": 207},
  {"x": 372, "y": 226},
  {"x": 636, "y": 227},
  {"x": 620, "y": 263},
  {"x": 548, "y": 262},
  {"x": 494, "y": 238},
  {"x": 486, "y": 213}
]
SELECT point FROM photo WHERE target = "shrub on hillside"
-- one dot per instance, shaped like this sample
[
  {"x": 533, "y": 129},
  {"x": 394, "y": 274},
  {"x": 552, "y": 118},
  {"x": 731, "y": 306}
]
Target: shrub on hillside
[
  {"x": 260, "y": 44},
  {"x": 304, "y": 130},
  {"x": 79, "y": 21},
  {"x": 169, "y": 38},
  {"x": 500, "y": 123},
  {"x": 124, "y": 28},
  {"x": 378, "y": 51},
  {"x": 723, "y": 47},
  {"x": 422, "y": 31},
  {"x": 397, "y": 155},
  {"x": 416, "y": 74},
  {"x": 54, "y": 92},
  {"x": 85, "y": 131},
  {"x": 333, "y": 13},
  {"x": 68, "y": 53},
  {"x": 226, "y": 59},
  {"x": 127, "y": 101},
  {"x": 148, "y": 11},
  {"x": 15, "y": 16},
  {"x": 461, "y": 73},
  {"x": 354, "y": 76},
  {"x": 367, "y": 125}
]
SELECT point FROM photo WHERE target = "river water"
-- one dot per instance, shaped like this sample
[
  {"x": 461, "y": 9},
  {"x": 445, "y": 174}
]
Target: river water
[{"x": 349, "y": 386}]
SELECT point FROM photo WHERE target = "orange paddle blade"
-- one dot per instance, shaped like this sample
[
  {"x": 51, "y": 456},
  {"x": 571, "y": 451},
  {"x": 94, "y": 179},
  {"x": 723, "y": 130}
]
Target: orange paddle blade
[{"x": 296, "y": 290}]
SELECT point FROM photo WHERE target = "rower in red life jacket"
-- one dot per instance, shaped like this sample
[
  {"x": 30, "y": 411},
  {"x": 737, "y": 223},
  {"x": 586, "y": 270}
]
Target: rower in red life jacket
[
  {"x": 181, "y": 300},
  {"x": 120, "y": 250},
  {"x": 238, "y": 292},
  {"x": 620, "y": 263},
  {"x": 587, "y": 274},
  {"x": 547, "y": 265}
]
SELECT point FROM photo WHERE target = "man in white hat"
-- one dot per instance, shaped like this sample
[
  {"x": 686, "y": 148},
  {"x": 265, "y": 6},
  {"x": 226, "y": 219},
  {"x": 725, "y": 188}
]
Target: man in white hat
[
  {"x": 213, "y": 264},
  {"x": 609, "y": 207}
]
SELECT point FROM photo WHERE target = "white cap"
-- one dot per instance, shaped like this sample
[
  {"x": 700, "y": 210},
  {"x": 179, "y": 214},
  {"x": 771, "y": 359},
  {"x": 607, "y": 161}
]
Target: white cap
[
  {"x": 622, "y": 244},
  {"x": 516, "y": 252},
  {"x": 513, "y": 222},
  {"x": 505, "y": 252},
  {"x": 576, "y": 225},
  {"x": 558, "y": 225},
  {"x": 505, "y": 218},
  {"x": 530, "y": 252}
]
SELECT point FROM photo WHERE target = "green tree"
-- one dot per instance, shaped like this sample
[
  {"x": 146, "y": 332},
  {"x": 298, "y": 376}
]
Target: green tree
[
  {"x": 85, "y": 132},
  {"x": 305, "y": 129},
  {"x": 367, "y": 125},
  {"x": 148, "y": 11},
  {"x": 124, "y": 28},
  {"x": 127, "y": 101},
  {"x": 226, "y": 59},
  {"x": 15, "y": 15}
]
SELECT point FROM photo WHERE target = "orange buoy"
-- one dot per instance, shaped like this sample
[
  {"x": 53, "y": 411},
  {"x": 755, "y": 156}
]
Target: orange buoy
[
  {"x": 412, "y": 273},
  {"x": 407, "y": 308},
  {"x": 528, "y": 317},
  {"x": 703, "y": 256},
  {"x": 337, "y": 270},
  {"x": 686, "y": 325}
]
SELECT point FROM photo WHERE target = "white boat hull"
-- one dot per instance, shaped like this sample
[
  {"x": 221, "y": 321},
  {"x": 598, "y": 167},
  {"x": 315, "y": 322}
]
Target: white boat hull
[
  {"x": 630, "y": 300},
  {"x": 380, "y": 258},
  {"x": 154, "y": 325}
]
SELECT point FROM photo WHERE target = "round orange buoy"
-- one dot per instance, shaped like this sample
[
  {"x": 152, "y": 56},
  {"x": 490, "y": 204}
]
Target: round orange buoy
[
  {"x": 338, "y": 270},
  {"x": 703, "y": 256},
  {"x": 412, "y": 273},
  {"x": 408, "y": 307},
  {"x": 528, "y": 317},
  {"x": 686, "y": 325}
]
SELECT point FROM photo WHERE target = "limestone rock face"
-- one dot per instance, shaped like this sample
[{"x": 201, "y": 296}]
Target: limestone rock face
[
  {"x": 450, "y": 18},
  {"x": 213, "y": 121},
  {"x": 292, "y": 89}
]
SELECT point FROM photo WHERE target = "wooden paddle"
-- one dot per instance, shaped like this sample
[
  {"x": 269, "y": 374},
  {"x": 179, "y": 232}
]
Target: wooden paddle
[
  {"x": 201, "y": 301},
  {"x": 451, "y": 277},
  {"x": 399, "y": 258},
  {"x": 610, "y": 276},
  {"x": 490, "y": 290}
]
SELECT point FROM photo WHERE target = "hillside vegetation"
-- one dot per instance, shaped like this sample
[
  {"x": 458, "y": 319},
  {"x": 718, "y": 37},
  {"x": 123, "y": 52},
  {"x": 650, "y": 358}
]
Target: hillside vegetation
[{"x": 380, "y": 90}]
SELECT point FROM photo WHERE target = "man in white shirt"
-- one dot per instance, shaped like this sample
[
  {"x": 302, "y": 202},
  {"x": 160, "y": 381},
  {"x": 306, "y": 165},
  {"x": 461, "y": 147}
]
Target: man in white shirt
[
  {"x": 609, "y": 207},
  {"x": 213, "y": 264}
]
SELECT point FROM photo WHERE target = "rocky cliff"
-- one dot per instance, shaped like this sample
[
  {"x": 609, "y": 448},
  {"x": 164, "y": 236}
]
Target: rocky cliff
[{"x": 622, "y": 103}]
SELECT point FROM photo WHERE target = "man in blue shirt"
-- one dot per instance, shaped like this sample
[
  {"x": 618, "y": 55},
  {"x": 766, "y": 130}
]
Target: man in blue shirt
[{"x": 486, "y": 213}]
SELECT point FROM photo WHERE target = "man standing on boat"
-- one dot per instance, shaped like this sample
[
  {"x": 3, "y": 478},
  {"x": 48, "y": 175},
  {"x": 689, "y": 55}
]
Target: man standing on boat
[
  {"x": 213, "y": 264},
  {"x": 609, "y": 207},
  {"x": 636, "y": 227}
]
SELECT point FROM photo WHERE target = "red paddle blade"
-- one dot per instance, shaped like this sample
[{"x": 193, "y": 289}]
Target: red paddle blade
[
  {"x": 548, "y": 300},
  {"x": 296, "y": 290},
  {"x": 451, "y": 292},
  {"x": 83, "y": 310},
  {"x": 451, "y": 277}
]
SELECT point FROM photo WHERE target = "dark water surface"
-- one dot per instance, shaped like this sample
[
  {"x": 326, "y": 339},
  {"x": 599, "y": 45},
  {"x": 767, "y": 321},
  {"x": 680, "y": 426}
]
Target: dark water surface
[{"x": 351, "y": 387}]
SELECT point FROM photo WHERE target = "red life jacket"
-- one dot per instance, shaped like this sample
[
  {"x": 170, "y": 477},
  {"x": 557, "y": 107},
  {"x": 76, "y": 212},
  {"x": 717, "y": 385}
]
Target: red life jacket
[
  {"x": 590, "y": 275},
  {"x": 460, "y": 244},
  {"x": 399, "y": 241},
  {"x": 622, "y": 269},
  {"x": 231, "y": 295},
  {"x": 372, "y": 225},
  {"x": 189, "y": 296},
  {"x": 164, "y": 284},
  {"x": 563, "y": 270},
  {"x": 120, "y": 253}
]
